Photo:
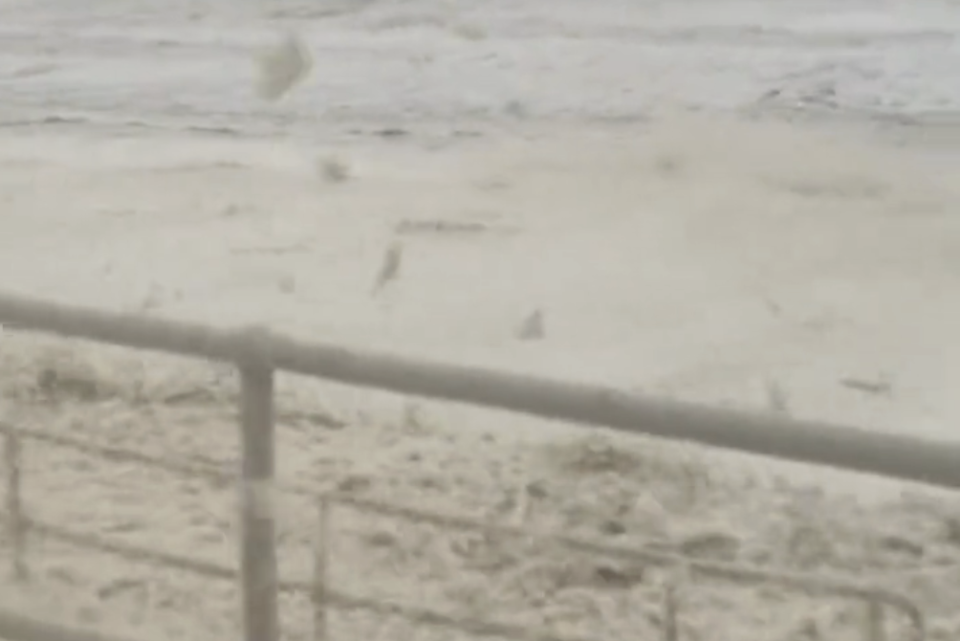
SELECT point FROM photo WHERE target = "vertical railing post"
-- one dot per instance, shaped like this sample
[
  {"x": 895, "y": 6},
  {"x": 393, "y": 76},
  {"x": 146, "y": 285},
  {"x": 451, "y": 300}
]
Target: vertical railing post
[
  {"x": 321, "y": 556},
  {"x": 16, "y": 521},
  {"x": 873, "y": 629},
  {"x": 669, "y": 625},
  {"x": 258, "y": 557}
]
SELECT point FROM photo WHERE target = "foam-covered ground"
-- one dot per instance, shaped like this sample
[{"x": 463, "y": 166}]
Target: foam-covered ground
[{"x": 738, "y": 203}]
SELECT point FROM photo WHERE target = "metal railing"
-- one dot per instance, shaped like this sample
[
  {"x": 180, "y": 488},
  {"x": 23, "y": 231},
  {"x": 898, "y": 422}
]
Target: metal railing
[
  {"x": 259, "y": 353},
  {"x": 325, "y": 595}
]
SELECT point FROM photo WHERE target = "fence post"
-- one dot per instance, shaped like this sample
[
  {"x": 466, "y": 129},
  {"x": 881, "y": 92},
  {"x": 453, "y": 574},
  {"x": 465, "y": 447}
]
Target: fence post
[
  {"x": 258, "y": 558},
  {"x": 873, "y": 625},
  {"x": 670, "y": 629},
  {"x": 321, "y": 556},
  {"x": 16, "y": 524}
]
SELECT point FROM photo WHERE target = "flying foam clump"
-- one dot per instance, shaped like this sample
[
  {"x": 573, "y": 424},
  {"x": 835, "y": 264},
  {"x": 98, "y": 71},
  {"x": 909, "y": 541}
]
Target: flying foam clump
[{"x": 282, "y": 67}]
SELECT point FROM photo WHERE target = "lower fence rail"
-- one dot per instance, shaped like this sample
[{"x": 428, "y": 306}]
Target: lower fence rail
[
  {"x": 20, "y": 526},
  {"x": 18, "y": 627},
  {"x": 257, "y": 353}
]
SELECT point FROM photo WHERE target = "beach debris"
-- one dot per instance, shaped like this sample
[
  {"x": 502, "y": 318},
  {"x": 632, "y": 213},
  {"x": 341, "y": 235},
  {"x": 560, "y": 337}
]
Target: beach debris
[
  {"x": 390, "y": 268},
  {"x": 470, "y": 32},
  {"x": 532, "y": 328},
  {"x": 287, "y": 283},
  {"x": 281, "y": 67},
  {"x": 333, "y": 170},
  {"x": 776, "y": 397},
  {"x": 875, "y": 387}
]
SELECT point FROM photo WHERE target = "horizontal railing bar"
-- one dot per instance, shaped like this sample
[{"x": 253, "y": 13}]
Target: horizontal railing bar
[
  {"x": 425, "y": 616},
  {"x": 185, "y": 468},
  {"x": 709, "y": 569},
  {"x": 89, "y": 541},
  {"x": 120, "y": 328},
  {"x": 113, "y": 453},
  {"x": 763, "y": 433},
  {"x": 17, "y": 627},
  {"x": 148, "y": 556},
  {"x": 731, "y": 572},
  {"x": 216, "y": 571},
  {"x": 926, "y": 461},
  {"x": 819, "y": 584}
]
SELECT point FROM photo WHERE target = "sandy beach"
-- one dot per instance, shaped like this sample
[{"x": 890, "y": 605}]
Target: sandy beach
[{"x": 741, "y": 203}]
